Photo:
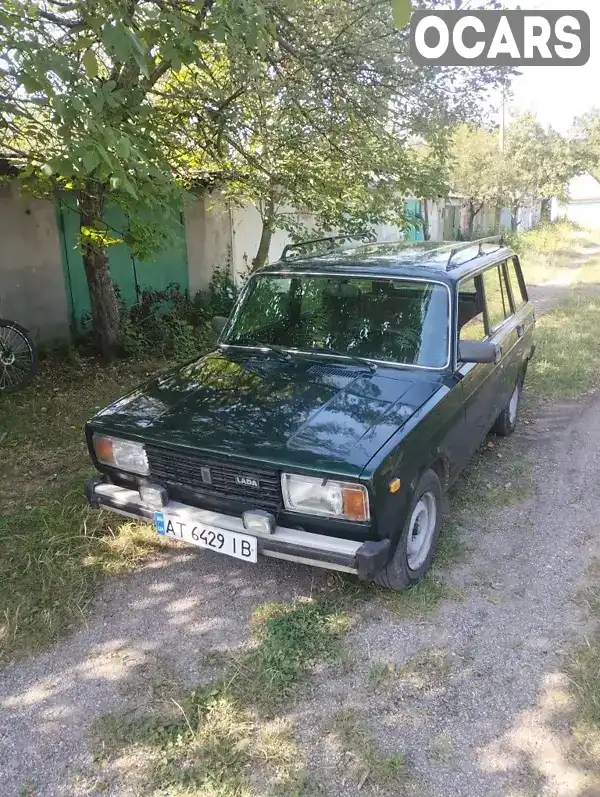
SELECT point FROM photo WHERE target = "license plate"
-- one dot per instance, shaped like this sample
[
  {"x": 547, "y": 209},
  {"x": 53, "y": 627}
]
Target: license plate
[{"x": 228, "y": 542}]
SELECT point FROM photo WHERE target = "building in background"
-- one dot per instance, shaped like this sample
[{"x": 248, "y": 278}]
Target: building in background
[
  {"x": 42, "y": 279},
  {"x": 583, "y": 206}
]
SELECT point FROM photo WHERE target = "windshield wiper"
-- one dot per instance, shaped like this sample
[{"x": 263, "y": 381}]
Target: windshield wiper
[
  {"x": 340, "y": 355},
  {"x": 268, "y": 347}
]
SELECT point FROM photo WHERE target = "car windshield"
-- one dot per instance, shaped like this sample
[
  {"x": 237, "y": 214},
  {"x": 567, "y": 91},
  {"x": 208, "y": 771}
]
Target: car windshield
[{"x": 394, "y": 320}]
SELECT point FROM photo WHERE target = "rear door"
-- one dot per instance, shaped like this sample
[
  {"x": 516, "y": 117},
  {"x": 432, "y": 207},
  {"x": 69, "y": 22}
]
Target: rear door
[
  {"x": 501, "y": 330},
  {"x": 524, "y": 319}
]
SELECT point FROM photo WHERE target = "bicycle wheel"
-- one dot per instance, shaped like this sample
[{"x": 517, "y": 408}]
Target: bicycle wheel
[{"x": 18, "y": 357}]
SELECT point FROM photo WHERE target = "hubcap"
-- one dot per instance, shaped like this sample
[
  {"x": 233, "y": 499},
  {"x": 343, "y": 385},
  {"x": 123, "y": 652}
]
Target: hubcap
[
  {"x": 514, "y": 405},
  {"x": 420, "y": 533}
]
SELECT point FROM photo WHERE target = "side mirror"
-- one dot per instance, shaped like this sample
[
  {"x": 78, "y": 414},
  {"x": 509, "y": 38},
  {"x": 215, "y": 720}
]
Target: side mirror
[
  {"x": 218, "y": 323},
  {"x": 477, "y": 351}
]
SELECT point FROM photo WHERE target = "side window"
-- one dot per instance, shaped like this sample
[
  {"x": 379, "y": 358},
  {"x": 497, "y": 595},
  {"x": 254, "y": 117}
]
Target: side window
[
  {"x": 516, "y": 284},
  {"x": 470, "y": 310},
  {"x": 496, "y": 297}
]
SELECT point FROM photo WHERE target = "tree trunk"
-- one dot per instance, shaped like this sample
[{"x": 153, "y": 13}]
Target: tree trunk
[
  {"x": 498, "y": 218},
  {"x": 514, "y": 219},
  {"x": 266, "y": 235},
  {"x": 472, "y": 212},
  {"x": 103, "y": 298},
  {"x": 470, "y": 220},
  {"x": 546, "y": 210},
  {"x": 426, "y": 232}
]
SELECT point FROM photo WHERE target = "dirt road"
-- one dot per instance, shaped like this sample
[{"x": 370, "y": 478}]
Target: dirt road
[{"x": 479, "y": 702}]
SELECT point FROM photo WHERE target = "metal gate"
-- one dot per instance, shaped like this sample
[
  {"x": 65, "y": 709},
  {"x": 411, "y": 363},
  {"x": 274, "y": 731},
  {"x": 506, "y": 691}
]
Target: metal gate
[{"x": 130, "y": 275}]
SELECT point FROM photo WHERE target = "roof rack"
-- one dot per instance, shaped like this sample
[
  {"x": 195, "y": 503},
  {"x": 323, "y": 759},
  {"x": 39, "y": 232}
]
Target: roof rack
[
  {"x": 492, "y": 239},
  {"x": 330, "y": 242}
]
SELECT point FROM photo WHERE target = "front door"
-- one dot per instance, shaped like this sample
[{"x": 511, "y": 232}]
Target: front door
[{"x": 485, "y": 312}]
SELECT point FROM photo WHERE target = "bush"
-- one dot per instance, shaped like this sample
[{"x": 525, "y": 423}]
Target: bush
[
  {"x": 543, "y": 239},
  {"x": 168, "y": 324}
]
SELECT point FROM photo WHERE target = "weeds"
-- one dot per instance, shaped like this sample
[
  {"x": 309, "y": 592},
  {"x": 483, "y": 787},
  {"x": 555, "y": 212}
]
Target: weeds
[
  {"x": 543, "y": 239},
  {"x": 170, "y": 325},
  {"x": 422, "y": 599},
  {"x": 289, "y": 640},
  {"x": 568, "y": 349},
  {"x": 363, "y": 758},
  {"x": 584, "y": 677},
  {"x": 220, "y": 731},
  {"x": 55, "y": 550}
]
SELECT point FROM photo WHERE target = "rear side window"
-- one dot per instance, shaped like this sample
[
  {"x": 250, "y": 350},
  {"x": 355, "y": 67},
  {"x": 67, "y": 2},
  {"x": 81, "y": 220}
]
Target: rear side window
[
  {"x": 496, "y": 297},
  {"x": 470, "y": 310},
  {"x": 516, "y": 284}
]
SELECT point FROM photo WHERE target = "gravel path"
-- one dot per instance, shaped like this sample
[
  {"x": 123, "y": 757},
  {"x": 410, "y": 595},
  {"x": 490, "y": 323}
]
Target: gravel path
[{"x": 485, "y": 713}]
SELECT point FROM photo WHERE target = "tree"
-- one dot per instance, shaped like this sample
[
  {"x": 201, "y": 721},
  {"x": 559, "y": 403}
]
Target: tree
[
  {"x": 79, "y": 82},
  {"x": 340, "y": 123},
  {"x": 130, "y": 100},
  {"x": 537, "y": 164},
  {"x": 586, "y": 141},
  {"x": 475, "y": 168}
]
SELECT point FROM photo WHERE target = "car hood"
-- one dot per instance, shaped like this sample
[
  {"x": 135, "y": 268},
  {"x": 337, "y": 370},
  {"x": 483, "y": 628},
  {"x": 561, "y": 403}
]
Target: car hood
[{"x": 305, "y": 412}]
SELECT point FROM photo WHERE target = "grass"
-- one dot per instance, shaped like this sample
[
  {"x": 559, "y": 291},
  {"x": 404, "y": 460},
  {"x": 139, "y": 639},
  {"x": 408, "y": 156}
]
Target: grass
[
  {"x": 584, "y": 678},
  {"x": 364, "y": 761},
  {"x": 555, "y": 254},
  {"x": 54, "y": 550},
  {"x": 225, "y": 739},
  {"x": 568, "y": 349},
  {"x": 419, "y": 674},
  {"x": 497, "y": 477}
]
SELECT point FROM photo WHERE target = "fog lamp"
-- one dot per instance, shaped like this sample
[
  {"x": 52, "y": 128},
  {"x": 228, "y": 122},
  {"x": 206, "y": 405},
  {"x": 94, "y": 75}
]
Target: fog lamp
[
  {"x": 154, "y": 496},
  {"x": 259, "y": 522}
]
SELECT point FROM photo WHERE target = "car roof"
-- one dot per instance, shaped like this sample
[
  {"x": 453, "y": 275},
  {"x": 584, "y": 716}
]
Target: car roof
[{"x": 445, "y": 262}]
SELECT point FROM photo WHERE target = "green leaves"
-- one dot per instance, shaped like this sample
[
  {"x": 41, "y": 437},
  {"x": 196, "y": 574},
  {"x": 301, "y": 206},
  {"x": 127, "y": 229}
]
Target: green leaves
[
  {"x": 90, "y": 63},
  {"x": 401, "y": 11}
]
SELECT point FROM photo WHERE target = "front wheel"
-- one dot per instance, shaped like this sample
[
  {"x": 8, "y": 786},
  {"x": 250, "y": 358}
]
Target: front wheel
[
  {"x": 18, "y": 358},
  {"x": 416, "y": 547}
]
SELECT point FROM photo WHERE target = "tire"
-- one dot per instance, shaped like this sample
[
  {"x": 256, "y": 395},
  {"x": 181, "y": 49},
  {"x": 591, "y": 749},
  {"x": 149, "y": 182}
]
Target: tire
[
  {"x": 18, "y": 356},
  {"x": 410, "y": 562},
  {"x": 506, "y": 422}
]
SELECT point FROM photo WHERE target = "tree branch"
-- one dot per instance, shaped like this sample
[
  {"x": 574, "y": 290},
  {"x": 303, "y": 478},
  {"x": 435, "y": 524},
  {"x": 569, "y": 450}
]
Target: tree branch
[{"x": 60, "y": 21}]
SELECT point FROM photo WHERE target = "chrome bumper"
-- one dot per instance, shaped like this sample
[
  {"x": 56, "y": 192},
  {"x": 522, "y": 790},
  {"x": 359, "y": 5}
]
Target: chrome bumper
[{"x": 364, "y": 559}]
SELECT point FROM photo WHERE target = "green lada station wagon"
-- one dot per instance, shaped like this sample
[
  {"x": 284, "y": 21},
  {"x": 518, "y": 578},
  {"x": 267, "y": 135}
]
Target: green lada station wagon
[{"x": 348, "y": 389}]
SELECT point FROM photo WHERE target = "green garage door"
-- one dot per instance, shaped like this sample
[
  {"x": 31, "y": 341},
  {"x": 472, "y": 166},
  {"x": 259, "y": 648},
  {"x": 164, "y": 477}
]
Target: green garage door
[{"x": 131, "y": 275}]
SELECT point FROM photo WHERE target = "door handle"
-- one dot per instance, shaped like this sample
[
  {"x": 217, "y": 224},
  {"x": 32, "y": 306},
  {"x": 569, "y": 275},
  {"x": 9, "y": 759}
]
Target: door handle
[
  {"x": 498, "y": 356},
  {"x": 520, "y": 330}
]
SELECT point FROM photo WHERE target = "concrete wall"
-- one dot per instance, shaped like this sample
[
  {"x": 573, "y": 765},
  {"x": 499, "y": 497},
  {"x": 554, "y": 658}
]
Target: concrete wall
[
  {"x": 247, "y": 228},
  {"x": 32, "y": 283},
  {"x": 208, "y": 229}
]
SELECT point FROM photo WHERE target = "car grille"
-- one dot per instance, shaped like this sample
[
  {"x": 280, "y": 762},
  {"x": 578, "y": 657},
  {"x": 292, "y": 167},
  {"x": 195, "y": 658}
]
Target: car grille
[{"x": 225, "y": 478}]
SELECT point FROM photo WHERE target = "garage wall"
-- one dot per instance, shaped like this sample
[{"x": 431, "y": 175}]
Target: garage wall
[
  {"x": 32, "y": 283},
  {"x": 208, "y": 228}
]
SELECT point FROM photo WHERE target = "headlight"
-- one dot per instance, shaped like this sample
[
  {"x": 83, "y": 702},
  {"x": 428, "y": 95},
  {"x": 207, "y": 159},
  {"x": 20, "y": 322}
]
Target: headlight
[
  {"x": 325, "y": 497},
  {"x": 121, "y": 454}
]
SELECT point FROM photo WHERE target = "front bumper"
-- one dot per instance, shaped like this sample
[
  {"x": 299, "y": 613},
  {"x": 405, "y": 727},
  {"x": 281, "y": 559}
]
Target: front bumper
[{"x": 364, "y": 559}]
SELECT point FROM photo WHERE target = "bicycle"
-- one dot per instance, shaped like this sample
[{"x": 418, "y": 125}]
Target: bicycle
[{"x": 18, "y": 356}]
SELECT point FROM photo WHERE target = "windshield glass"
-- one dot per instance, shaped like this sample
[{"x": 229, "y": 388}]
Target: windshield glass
[{"x": 395, "y": 320}]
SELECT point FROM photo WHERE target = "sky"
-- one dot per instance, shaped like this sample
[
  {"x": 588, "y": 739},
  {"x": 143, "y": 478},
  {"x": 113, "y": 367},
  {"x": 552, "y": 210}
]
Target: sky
[{"x": 558, "y": 94}]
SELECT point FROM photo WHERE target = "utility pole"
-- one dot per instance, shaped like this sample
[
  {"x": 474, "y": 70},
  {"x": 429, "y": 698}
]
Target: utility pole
[
  {"x": 498, "y": 219},
  {"x": 503, "y": 119}
]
